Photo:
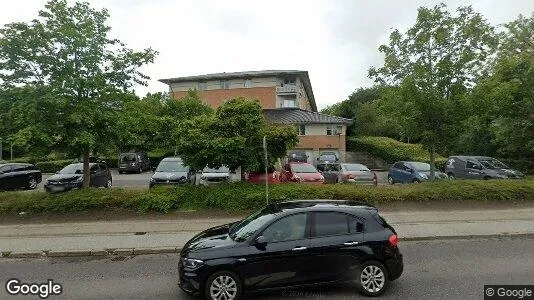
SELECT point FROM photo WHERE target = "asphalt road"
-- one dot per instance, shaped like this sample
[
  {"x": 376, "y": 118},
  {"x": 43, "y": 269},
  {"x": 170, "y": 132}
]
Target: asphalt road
[
  {"x": 450, "y": 269},
  {"x": 141, "y": 180}
]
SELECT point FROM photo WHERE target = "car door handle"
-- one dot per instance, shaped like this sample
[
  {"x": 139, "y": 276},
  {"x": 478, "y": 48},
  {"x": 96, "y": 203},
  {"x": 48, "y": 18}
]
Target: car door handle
[
  {"x": 350, "y": 243},
  {"x": 299, "y": 248}
]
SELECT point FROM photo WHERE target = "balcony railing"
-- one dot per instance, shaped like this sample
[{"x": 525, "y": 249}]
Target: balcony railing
[{"x": 286, "y": 89}]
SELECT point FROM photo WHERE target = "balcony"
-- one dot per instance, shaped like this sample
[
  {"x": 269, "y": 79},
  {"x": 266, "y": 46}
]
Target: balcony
[{"x": 286, "y": 89}]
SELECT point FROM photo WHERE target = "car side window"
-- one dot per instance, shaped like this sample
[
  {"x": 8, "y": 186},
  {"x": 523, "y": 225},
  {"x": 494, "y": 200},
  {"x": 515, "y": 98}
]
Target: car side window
[
  {"x": 5, "y": 169},
  {"x": 355, "y": 225},
  {"x": 19, "y": 168},
  {"x": 287, "y": 229},
  {"x": 398, "y": 166},
  {"x": 103, "y": 167},
  {"x": 331, "y": 223},
  {"x": 471, "y": 165}
]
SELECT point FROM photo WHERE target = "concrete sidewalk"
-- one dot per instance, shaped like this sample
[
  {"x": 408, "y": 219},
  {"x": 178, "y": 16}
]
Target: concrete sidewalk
[{"x": 152, "y": 236}]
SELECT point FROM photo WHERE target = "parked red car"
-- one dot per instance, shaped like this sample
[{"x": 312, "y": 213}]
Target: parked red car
[
  {"x": 259, "y": 177},
  {"x": 300, "y": 172}
]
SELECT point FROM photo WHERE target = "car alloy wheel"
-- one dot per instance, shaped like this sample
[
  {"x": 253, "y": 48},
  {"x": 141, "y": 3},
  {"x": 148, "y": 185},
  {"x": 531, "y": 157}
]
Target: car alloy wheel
[
  {"x": 32, "y": 183},
  {"x": 451, "y": 176},
  {"x": 416, "y": 181},
  {"x": 373, "y": 279},
  {"x": 390, "y": 179},
  {"x": 109, "y": 183},
  {"x": 223, "y": 285}
]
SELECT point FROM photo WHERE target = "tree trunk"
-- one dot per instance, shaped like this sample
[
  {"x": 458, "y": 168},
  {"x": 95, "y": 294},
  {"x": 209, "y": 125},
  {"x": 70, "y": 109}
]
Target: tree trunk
[
  {"x": 432, "y": 163},
  {"x": 86, "y": 171}
]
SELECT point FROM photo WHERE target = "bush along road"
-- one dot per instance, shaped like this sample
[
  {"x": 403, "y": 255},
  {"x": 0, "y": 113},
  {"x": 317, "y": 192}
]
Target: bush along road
[{"x": 243, "y": 196}]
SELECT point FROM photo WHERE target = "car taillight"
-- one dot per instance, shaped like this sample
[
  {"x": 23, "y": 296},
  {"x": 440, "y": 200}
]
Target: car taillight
[
  {"x": 393, "y": 240},
  {"x": 350, "y": 176}
]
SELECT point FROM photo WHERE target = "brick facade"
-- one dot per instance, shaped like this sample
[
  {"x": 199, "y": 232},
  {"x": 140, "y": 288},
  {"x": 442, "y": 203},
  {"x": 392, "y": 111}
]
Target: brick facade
[
  {"x": 214, "y": 98},
  {"x": 317, "y": 142}
]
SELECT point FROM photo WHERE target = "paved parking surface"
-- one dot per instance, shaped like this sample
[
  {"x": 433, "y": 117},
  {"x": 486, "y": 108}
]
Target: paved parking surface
[{"x": 119, "y": 180}]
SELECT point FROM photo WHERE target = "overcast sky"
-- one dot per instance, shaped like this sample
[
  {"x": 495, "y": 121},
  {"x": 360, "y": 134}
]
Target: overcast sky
[{"x": 336, "y": 41}]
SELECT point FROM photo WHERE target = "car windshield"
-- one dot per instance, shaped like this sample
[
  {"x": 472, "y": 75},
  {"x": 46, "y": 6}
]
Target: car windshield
[
  {"x": 303, "y": 168},
  {"x": 418, "y": 166},
  {"x": 493, "y": 164},
  {"x": 213, "y": 170},
  {"x": 250, "y": 225},
  {"x": 327, "y": 157},
  {"x": 127, "y": 157},
  {"x": 172, "y": 166},
  {"x": 72, "y": 169},
  {"x": 356, "y": 167}
]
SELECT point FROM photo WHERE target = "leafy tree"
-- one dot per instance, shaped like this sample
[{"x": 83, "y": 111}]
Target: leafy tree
[
  {"x": 233, "y": 136},
  {"x": 67, "y": 49},
  {"x": 433, "y": 65}
]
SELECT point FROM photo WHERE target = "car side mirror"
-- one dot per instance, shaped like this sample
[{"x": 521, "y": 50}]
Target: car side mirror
[
  {"x": 260, "y": 241},
  {"x": 153, "y": 169}
]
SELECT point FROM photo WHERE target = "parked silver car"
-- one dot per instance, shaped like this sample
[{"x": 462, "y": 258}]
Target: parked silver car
[
  {"x": 212, "y": 176},
  {"x": 356, "y": 173},
  {"x": 479, "y": 167},
  {"x": 171, "y": 170}
]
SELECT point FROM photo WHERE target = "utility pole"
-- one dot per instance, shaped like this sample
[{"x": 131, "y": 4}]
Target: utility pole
[
  {"x": 1, "y": 150},
  {"x": 11, "y": 152},
  {"x": 266, "y": 172}
]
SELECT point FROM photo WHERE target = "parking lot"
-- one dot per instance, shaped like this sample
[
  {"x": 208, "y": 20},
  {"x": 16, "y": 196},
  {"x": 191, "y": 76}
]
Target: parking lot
[{"x": 140, "y": 181}]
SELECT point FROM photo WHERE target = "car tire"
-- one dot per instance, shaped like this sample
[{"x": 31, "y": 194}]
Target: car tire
[
  {"x": 32, "y": 183},
  {"x": 372, "y": 278},
  {"x": 390, "y": 180},
  {"x": 451, "y": 176},
  {"x": 109, "y": 183},
  {"x": 416, "y": 180},
  {"x": 223, "y": 282}
]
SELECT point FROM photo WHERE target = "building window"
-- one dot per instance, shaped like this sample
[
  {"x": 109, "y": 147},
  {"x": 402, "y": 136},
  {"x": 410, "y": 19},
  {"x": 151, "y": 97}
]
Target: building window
[
  {"x": 225, "y": 84},
  {"x": 202, "y": 86},
  {"x": 334, "y": 130},
  {"x": 248, "y": 83},
  {"x": 301, "y": 129},
  {"x": 290, "y": 103},
  {"x": 289, "y": 81}
]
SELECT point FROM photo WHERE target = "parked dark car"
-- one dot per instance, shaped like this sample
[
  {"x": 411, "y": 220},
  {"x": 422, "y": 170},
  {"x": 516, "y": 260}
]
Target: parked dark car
[
  {"x": 137, "y": 162},
  {"x": 71, "y": 177},
  {"x": 19, "y": 176},
  {"x": 327, "y": 157},
  {"x": 297, "y": 156},
  {"x": 92, "y": 159},
  {"x": 171, "y": 170},
  {"x": 293, "y": 244},
  {"x": 357, "y": 173},
  {"x": 330, "y": 171},
  {"x": 300, "y": 172},
  {"x": 479, "y": 167},
  {"x": 411, "y": 171}
]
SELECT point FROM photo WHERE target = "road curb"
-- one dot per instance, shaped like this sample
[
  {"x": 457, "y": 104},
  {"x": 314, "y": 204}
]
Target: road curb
[{"x": 122, "y": 252}]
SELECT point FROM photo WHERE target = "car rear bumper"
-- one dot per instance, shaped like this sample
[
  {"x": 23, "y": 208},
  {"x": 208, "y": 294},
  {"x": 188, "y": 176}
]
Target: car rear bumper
[
  {"x": 395, "y": 266},
  {"x": 129, "y": 168}
]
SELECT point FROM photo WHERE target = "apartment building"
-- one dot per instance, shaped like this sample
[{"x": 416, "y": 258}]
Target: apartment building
[{"x": 286, "y": 97}]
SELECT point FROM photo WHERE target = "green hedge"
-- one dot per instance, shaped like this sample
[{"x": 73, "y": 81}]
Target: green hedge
[
  {"x": 391, "y": 150},
  {"x": 52, "y": 166},
  {"x": 242, "y": 197}
]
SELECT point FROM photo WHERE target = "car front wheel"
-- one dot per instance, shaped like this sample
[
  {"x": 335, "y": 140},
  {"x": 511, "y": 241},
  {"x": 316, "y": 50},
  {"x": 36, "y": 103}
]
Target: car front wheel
[
  {"x": 390, "y": 180},
  {"x": 373, "y": 279},
  {"x": 32, "y": 183},
  {"x": 109, "y": 183},
  {"x": 223, "y": 285}
]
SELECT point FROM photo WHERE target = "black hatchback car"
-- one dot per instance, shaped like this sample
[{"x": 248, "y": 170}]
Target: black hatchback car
[
  {"x": 16, "y": 176},
  {"x": 293, "y": 244},
  {"x": 71, "y": 177}
]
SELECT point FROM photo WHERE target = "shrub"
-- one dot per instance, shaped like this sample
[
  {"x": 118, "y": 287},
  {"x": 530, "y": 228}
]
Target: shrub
[
  {"x": 391, "y": 150},
  {"x": 52, "y": 166},
  {"x": 240, "y": 197}
]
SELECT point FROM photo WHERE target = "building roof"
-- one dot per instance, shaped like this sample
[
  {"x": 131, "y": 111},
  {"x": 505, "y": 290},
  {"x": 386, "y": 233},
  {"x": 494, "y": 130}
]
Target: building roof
[
  {"x": 299, "y": 116},
  {"x": 251, "y": 74}
]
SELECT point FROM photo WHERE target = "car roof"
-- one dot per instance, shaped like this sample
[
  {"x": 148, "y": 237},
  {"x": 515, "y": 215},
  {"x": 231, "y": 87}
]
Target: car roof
[
  {"x": 321, "y": 204},
  {"x": 11, "y": 164},
  {"x": 298, "y": 163},
  {"x": 174, "y": 158},
  {"x": 470, "y": 156}
]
